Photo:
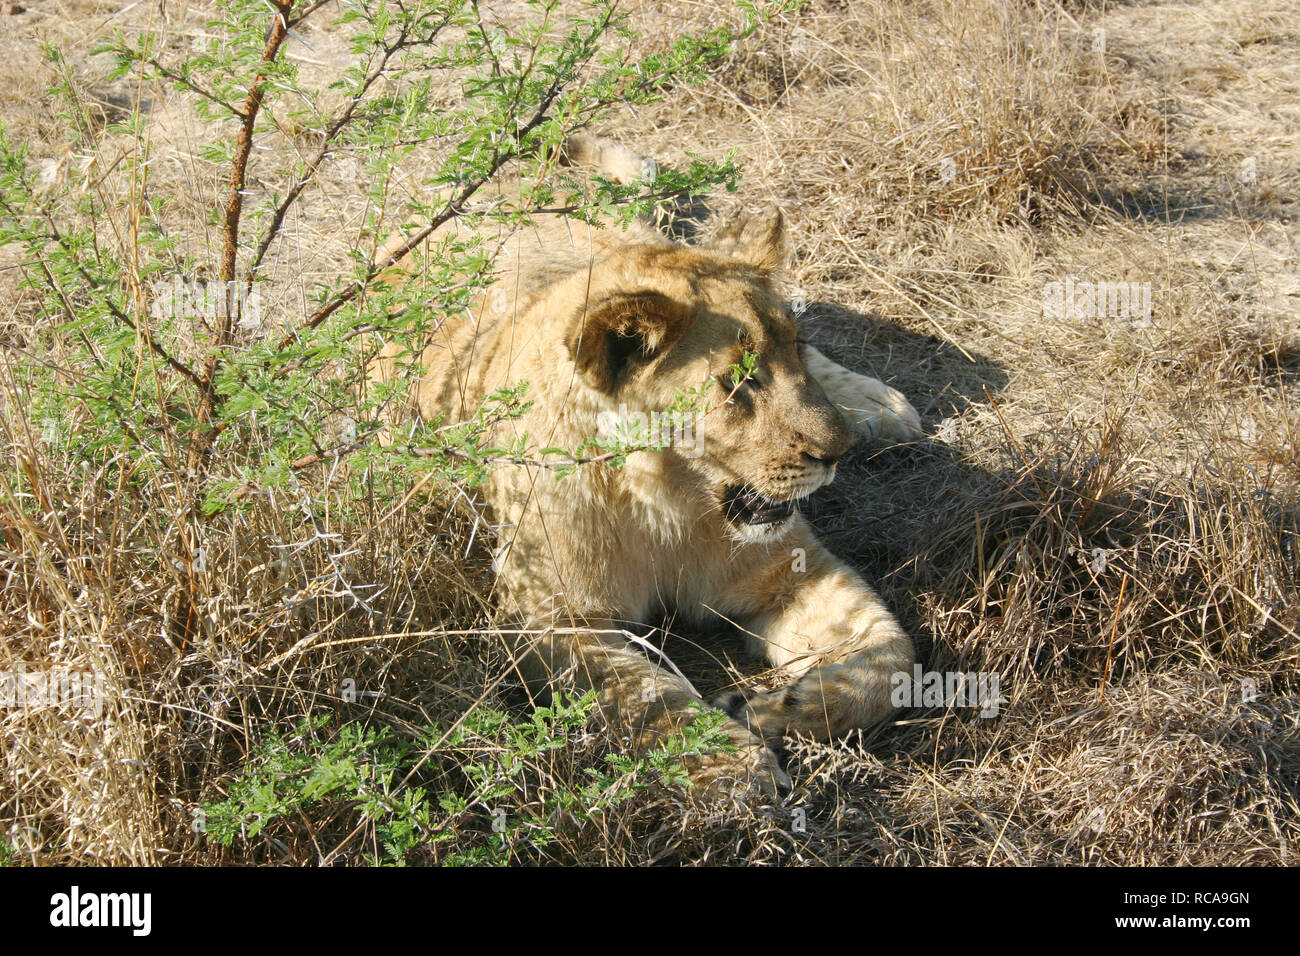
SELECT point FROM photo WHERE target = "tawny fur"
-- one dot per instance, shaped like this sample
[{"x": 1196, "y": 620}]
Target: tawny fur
[{"x": 601, "y": 319}]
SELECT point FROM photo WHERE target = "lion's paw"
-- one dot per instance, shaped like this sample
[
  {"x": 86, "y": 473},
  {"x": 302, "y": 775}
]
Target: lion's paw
[
  {"x": 881, "y": 412},
  {"x": 752, "y": 769},
  {"x": 771, "y": 714}
]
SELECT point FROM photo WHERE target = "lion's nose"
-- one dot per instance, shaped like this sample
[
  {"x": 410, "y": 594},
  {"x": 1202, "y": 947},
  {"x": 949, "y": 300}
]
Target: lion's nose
[
  {"x": 830, "y": 442},
  {"x": 819, "y": 430},
  {"x": 828, "y": 461},
  {"x": 824, "y": 445}
]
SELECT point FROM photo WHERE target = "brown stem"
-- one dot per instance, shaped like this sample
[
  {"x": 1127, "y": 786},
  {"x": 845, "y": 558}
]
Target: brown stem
[
  {"x": 186, "y": 609},
  {"x": 275, "y": 37},
  {"x": 331, "y": 132}
]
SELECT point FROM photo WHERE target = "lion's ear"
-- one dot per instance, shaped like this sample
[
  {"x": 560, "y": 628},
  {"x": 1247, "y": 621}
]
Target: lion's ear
[
  {"x": 758, "y": 239},
  {"x": 610, "y": 337}
]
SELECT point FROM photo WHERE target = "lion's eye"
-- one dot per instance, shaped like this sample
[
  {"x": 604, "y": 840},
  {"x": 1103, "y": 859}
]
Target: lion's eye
[{"x": 730, "y": 384}]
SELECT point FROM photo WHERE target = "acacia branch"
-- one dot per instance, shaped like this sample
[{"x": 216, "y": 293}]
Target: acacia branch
[
  {"x": 185, "y": 81},
  {"x": 278, "y": 33},
  {"x": 331, "y": 133},
  {"x": 416, "y": 451},
  {"x": 450, "y": 210},
  {"x": 275, "y": 37},
  {"x": 307, "y": 11},
  {"x": 121, "y": 315}
]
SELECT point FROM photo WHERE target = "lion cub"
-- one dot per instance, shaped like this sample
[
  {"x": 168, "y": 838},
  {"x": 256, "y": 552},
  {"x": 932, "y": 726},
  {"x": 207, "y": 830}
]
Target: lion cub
[{"x": 606, "y": 322}]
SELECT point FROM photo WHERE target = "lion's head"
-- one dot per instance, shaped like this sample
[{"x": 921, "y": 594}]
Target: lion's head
[{"x": 661, "y": 320}]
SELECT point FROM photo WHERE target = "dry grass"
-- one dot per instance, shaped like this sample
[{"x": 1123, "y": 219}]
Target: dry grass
[{"x": 1106, "y": 516}]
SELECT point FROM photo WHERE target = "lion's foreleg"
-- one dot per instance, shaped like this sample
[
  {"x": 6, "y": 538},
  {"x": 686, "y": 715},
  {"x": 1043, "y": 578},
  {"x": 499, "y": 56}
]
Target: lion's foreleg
[
  {"x": 644, "y": 701},
  {"x": 872, "y": 409},
  {"x": 836, "y": 639}
]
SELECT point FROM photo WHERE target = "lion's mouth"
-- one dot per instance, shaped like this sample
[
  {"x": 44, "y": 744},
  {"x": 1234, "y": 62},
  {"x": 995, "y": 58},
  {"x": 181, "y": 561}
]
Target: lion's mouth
[{"x": 745, "y": 506}]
